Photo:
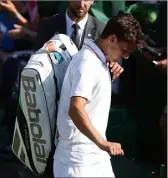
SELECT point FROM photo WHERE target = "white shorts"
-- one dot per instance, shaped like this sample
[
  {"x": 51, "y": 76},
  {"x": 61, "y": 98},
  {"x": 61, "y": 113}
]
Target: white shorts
[{"x": 102, "y": 169}]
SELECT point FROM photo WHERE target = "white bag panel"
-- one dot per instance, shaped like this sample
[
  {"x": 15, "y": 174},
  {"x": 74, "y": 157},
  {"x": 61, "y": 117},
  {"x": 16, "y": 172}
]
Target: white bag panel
[
  {"x": 37, "y": 115},
  {"x": 42, "y": 64},
  {"x": 40, "y": 70}
]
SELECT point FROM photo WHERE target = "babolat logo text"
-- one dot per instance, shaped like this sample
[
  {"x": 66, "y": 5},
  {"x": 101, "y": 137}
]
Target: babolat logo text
[{"x": 29, "y": 86}]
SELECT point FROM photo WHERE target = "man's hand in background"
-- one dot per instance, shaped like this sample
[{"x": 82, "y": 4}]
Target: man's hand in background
[
  {"x": 162, "y": 65},
  {"x": 18, "y": 32},
  {"x": 9, "y": 6},
  {"x": 21, "y": 32}
]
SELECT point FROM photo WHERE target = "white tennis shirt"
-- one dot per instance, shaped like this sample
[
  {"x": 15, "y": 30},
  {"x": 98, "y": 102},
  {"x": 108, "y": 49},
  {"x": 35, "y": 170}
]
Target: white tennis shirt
[{"x": 87, "y": 76}]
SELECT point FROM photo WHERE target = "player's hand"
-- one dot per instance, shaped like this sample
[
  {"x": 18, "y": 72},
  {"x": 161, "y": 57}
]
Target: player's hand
[
  {"x": 49, "y": 46},
  {"x": 162, "y": 65},
  {"x": 115, "y": 68},
  {"x": 112, "y": 148}
]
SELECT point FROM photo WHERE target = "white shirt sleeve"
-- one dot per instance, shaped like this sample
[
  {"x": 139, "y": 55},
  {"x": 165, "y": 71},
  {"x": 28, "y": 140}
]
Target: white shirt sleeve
[{"x": 83, "y": 79}]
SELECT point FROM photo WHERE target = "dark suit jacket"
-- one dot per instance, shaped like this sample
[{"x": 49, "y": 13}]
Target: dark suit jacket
[{"x": 57, "y": 24}]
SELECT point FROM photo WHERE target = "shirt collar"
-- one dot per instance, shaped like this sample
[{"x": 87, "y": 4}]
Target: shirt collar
[
  {"x": 81, "y": 23},
  {"x": 95, "y": 49}
]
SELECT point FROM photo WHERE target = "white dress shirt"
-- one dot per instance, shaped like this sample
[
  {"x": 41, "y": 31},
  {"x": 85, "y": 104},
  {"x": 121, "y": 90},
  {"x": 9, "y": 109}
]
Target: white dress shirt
[{"x": 81, "y": 24}]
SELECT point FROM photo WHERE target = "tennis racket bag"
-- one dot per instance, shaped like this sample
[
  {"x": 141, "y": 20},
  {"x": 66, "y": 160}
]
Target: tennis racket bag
[{"x": 40, "y": 86}]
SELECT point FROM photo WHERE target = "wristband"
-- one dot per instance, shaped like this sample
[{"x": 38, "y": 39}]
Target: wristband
[{"x": 18, "y": 15}]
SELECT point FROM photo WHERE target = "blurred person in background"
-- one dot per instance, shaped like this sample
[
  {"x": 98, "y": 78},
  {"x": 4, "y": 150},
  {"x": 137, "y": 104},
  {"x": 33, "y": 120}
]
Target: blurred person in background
[
  {"x": 23, "y": 28},
  {"x": 17, "y": 13},
  {"x": 11, "y": 60},
  {"x": 6, "y": 23},
  {"x": 75, "y": 22},
  {"x": 15, "y": 8},
  {"x": 38, "y": 10},
  {"x": 26, "y": 28}
]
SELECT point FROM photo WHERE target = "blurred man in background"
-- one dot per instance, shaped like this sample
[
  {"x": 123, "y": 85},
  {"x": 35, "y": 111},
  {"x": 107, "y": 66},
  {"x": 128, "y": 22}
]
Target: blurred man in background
[{"x": 75, "y": 22}]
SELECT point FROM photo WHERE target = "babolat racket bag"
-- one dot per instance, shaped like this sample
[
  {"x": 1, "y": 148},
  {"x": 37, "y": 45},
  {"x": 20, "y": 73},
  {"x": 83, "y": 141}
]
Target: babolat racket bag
[{"x": 40, "y": 86}]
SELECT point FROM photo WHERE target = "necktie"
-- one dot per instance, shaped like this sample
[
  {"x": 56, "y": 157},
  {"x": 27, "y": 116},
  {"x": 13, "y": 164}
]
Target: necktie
[{"x": 75, "y": 35}]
